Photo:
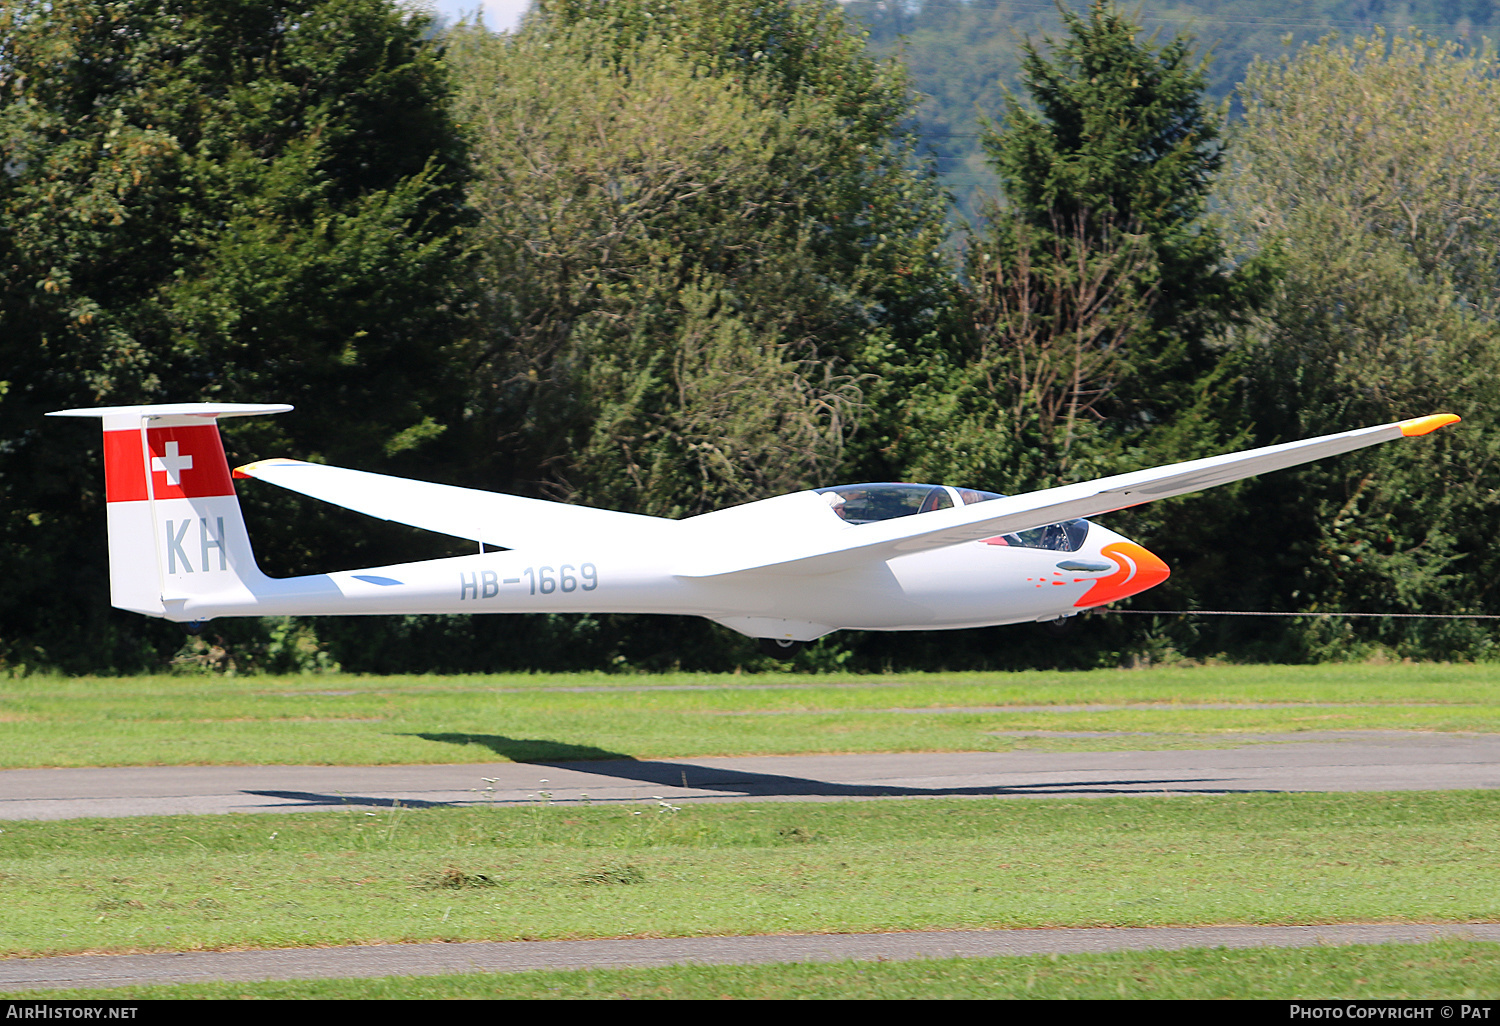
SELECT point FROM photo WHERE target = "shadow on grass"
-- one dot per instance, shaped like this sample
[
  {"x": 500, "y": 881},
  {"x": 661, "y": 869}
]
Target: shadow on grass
[
  {"x": 749, "y": 784},
  {"x": 309, "y": 799},
  {"x": 527, "y": 749}
]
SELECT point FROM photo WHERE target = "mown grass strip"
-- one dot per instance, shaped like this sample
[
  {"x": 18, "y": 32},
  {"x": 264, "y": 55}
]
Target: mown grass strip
[
  {"x": 1449, "y": 969},
  {"x": 188, "y": 883},
  {"x": 344, "y": 720}
]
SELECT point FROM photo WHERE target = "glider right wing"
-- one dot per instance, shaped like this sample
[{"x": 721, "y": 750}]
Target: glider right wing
[{"x": 851, "y": 546}]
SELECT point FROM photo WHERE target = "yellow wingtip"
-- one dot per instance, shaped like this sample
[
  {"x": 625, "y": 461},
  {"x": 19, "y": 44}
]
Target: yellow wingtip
[
  {"x": 248, "y": 470},
  {"x": 1425, "y": 425}
]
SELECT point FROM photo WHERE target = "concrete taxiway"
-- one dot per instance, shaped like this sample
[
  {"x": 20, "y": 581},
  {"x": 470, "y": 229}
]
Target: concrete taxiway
[{"x": 1325, "y": 761}]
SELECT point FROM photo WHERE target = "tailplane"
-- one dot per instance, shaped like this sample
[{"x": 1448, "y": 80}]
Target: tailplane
[{"x": 175, "y": 529}]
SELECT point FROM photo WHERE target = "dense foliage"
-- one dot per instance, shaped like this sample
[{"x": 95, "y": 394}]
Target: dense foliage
[
  {"x": 1097, "y": 283},
  {"x": 239, "y": 200},
  {"x": 705, "y": 245},
  {"x": 1368, "y": 166},
  {"x": 963, "y": 57},
  {"x": 668, "y": 255}
]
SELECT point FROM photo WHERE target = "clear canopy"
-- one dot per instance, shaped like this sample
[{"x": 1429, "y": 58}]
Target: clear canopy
[{"x": 867, "y": 503}]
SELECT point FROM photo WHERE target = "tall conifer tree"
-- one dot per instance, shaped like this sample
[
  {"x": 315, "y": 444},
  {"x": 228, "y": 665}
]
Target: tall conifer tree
[
  {"x": 1117, "y": 148},
  {"x": 1099, "y": 289}
]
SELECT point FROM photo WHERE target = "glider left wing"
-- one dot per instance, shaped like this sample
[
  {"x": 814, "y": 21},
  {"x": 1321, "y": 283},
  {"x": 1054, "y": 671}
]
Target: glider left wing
[
  {"x": 854, "y": 545},
  {"x": 507, "y": 521}
]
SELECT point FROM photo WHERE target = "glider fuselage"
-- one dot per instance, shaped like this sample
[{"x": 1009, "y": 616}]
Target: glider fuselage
[{"x": 208, "y": 571}]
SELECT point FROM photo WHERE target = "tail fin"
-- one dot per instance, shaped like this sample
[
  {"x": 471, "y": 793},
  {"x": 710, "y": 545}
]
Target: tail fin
[{"x": 175, "y": 529}]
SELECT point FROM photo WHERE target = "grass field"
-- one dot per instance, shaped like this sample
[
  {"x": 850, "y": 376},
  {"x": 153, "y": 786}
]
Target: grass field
[
  {"x": 347, "y": 720},
  {"x": 368, "y": 876},
  {"x": 556, "y": 872}
]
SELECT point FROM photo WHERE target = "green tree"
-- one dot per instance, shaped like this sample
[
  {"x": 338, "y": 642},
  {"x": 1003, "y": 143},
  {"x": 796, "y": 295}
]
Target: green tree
[
  {"x": 708, "y": 252},
  {"x": 709, "y": 257},
  {"x": 1097, "y": 286},
  {"x": 1118, "y": 142},
  {"x": 962, "y": 56},
  {"x": 240, "y": 200},
  {"x": 1369, "y": 166},
  {"x": 1098, "y": 291}
]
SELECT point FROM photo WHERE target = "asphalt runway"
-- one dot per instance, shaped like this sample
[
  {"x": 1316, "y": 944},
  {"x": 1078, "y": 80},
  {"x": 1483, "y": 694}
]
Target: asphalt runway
[
  {"x": 1325, "y": 761},
  {"x": 518, "y": 956}
]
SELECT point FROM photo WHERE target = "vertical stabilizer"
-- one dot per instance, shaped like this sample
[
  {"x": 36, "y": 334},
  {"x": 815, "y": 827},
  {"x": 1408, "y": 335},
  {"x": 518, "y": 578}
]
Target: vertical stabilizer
[{"x": 175, "y": 529}]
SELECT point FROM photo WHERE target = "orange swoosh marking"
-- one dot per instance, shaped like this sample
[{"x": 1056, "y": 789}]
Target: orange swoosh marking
[{"x": 1138, "y": 569}]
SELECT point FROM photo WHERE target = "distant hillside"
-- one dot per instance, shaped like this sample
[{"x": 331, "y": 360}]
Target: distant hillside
[{"x": 963, "y": 53}]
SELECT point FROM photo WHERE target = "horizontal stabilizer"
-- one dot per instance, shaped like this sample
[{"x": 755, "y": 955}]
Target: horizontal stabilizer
[
  {"x": 922, "y": 532},
  {"x": 507, "y": 521},
  {"x": 178, "y": 410}
]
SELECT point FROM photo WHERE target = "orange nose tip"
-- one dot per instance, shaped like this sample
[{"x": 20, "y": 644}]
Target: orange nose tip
[{"x": 1137, "y": 568}]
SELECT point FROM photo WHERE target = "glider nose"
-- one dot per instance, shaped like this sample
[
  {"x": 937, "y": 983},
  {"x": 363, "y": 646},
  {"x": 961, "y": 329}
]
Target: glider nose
[{"x": 1136, "y": 569}]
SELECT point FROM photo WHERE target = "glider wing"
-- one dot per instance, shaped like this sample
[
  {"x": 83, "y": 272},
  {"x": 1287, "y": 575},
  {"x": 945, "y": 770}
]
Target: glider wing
[
  {"x": 902, "y": 536},
  {"x": 507, "y": 521}
]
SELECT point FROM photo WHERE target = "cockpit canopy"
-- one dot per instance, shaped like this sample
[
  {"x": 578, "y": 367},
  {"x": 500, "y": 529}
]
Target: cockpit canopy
[{"x": 867, "y": 503}]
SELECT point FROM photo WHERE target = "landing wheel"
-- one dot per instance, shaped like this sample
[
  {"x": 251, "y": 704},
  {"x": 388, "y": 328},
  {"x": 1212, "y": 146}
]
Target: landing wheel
[
  {"x": 1061, "y": 627},
  {"x": 780, "y": 648}
]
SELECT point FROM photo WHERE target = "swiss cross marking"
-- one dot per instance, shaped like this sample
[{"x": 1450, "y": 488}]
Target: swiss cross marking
[{"x": 172, "y": 464}]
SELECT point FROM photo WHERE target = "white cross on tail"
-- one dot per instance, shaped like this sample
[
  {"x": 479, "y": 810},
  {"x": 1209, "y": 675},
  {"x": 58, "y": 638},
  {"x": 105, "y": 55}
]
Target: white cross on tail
[{"x": 172, "y": 464}]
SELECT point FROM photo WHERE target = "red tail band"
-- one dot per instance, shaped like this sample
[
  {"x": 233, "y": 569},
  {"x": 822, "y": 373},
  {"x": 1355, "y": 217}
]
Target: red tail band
[{"x": 186, "y": 463}]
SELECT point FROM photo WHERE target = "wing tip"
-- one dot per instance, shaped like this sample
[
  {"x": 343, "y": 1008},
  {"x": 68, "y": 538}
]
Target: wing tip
[
  {"x": 250, "y": 470},
  {"x": 1426, "y": 425}
]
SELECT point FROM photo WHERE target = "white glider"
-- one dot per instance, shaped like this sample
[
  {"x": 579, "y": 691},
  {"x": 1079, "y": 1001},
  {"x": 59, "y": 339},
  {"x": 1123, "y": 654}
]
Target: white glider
[{"x": 884, "y": 557}]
